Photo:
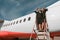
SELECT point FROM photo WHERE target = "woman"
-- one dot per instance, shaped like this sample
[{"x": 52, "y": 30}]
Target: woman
[{"x": 40, "y": 18}]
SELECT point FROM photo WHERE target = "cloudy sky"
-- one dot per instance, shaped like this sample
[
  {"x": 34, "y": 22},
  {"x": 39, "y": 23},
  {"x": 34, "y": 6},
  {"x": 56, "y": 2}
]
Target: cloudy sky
[{"x": 12, "y": 9}]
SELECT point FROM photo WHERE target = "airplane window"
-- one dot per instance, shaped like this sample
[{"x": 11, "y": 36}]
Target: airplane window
[
  {"x": 13, "y": 22},
  {"x": 20, "y": 21},
  {"x": 29, "y": 18},
  {"x": 24, "y": 20},
  {"x": 8, "y": 24},
  {"x": 4, "y": 25},
  {"x": 16, "y": 22}
]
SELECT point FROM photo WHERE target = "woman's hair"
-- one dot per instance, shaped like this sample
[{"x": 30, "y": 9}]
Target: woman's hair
[{"x": 44, "y": 9}]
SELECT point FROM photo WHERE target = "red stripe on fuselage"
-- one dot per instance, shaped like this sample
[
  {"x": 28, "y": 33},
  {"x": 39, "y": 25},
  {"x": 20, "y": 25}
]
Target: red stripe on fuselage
[{"x": 5, "y": 34}]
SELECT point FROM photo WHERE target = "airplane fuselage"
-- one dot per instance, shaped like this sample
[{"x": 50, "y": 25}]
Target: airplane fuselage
[{"x": 26, "y": 23}]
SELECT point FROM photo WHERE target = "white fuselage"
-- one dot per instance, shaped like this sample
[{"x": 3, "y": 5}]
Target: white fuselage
[{"x": 52, "y": 15}]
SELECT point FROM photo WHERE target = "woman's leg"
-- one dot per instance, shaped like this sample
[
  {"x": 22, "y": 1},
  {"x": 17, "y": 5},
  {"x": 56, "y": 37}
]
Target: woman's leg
[
  {"x": 44, "y": 25},
  {"x": 40, "y": 27}
]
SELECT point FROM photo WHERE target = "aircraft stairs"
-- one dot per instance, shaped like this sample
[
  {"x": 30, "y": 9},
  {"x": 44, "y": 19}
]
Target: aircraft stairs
[{"x": 42, "y": 35}]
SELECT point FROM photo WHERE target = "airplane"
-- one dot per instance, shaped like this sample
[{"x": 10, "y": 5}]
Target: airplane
[{"x": 22, "y": 27}]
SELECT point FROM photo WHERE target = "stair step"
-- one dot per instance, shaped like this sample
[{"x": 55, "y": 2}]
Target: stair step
[
  {"x": 41, "y": 32},
  {"x": 42, "y": 37}
]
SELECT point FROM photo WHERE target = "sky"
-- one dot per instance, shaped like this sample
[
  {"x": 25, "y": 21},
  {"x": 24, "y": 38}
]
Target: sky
[{"x": 12, "y": 9}]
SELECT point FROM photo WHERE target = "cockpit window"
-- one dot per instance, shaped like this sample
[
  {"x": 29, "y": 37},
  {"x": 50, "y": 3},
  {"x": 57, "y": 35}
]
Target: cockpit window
[{"x": 29, "y": 18}]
